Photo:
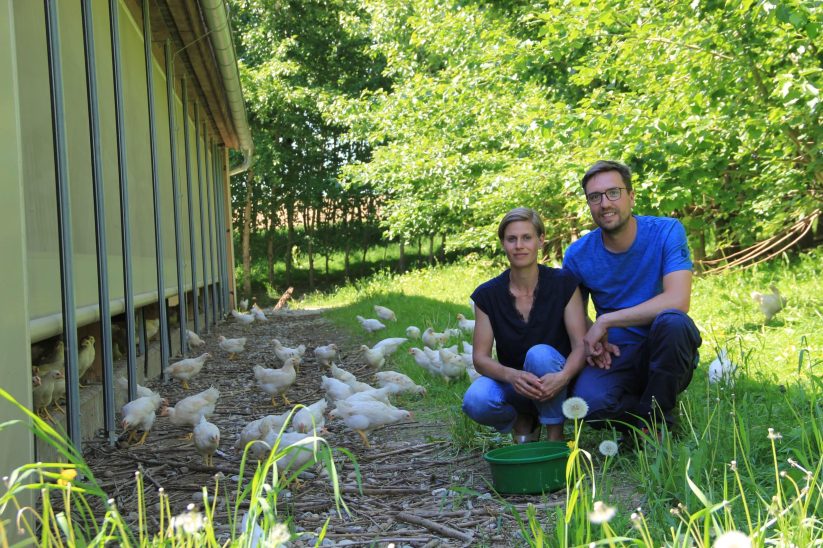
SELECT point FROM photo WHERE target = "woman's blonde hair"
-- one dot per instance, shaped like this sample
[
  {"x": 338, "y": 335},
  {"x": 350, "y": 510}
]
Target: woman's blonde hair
[{"x": 521, "y": 214}]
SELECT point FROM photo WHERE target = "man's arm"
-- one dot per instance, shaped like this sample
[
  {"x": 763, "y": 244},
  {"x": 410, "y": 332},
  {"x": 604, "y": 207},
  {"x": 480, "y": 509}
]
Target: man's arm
[{"x": 677, "y": 290}]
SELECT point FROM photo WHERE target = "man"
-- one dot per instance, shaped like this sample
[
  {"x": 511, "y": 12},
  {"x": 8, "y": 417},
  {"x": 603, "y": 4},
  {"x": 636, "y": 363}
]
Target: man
[{"x": 642, "y": 348}]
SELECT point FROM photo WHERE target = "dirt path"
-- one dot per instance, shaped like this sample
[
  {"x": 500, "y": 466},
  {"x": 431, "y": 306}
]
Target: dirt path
[{"x": 416, "y": 489}]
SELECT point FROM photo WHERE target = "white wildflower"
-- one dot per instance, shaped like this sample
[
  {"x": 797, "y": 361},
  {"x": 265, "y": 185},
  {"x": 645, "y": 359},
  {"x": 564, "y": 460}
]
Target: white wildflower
[
  {"x": 774, "y": 435},
  {"x": 608, "y": 448},
  {"x": 732, "y": 539},
  {"x": 189, "y": 522},
  {"x": 601, "y": 513},
  {"x": 575, "y": 408}
]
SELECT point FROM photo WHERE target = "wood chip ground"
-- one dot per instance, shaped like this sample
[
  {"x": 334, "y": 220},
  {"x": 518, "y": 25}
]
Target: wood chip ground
[{"x": 417, "y": 489}]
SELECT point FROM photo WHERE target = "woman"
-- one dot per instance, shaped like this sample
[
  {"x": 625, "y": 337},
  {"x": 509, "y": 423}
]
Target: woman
[{"x": 535, "y": 316}]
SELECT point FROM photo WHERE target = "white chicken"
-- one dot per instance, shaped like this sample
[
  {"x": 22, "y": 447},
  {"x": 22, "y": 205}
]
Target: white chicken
[
  {"x": 769, "y": 303},
  {"x": 467, "y": 326},
  {"x": 451, "y": 365},
  {"x": 142, "y": 391},
  {"x": 413, "y": 332},
  {"x": 275, "y": 382},
  {"x": 187, "y": 369},
  {"x": 335, "y": 389},
  {"x": 389, "y": 346},
  {"x": 258, "y": 429},
  {"x": 376, "y": 394},
  {"x": 423, "y": 360},
  {"x": 374, "y": 358},
  {"x": 258, "y": 313},
  {"x": 310, "y": 418},
  {"x": 467, "y": 348},
  {"x": 293, "y": 449},
  {"x": 283, "y": 353},
  {"x": 244, "y": 319},
  {"x": 206, "y": 440},
  {"x": 341, "y": 374},
  {"x": 722, "y": 369},
  {"x": 370, "y": 324},
  {"x": 432, "y": 339},
  {"x": 193, "y": 339},
  {"x": 232, "y": 346},
  {"x": 400, "y": 380},
  {"x": 139, "y": 415},
  {"x": 85, "y": 356},
  {"x": 365, "y": 416},
  {"x": 244, "y": 304},
  {"x": 325, "y": 354},
  {"x": 385, "y": 314},
  {"x": 472, "y": 373},
  {"x": 188, "y": 411}
]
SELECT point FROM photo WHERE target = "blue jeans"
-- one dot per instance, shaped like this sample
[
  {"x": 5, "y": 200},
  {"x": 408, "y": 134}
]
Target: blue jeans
[
  {"x": 497, "y": 404},
  {"x": 644, "y": 381}
]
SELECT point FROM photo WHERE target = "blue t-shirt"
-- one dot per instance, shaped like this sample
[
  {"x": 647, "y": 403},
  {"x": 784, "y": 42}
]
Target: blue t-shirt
[
  {"x": 512, "y": 334},
  {"x": 621, "y": 280}
]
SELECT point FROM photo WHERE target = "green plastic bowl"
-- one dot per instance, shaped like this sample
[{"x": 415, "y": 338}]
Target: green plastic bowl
[{"x": 538, "y": 467}]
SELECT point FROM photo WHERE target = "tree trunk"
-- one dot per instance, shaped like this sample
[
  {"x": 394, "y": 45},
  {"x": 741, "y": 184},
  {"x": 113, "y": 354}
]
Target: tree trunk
[
  {"x": 401, "y": 264},
  {"x": 308, "y": 224},
  {"x": 247, "y": 220},
  {"x": 431, "y": 249},
  {"x": 289, "y": 238},
  {"x": 270, "y": 253},
  {"x": 364, "y": 240},
  {"x": 442, "y": 253},
  {"x": 419, "y": 247}
]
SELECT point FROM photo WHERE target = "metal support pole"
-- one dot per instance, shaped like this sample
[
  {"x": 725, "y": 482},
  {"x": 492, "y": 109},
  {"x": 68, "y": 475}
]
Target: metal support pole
[
  {"x": 221, "y": 231},
  {"x": 178, "y": 238},
  {"x": 99, "y": 223},
  {"x": 64, "y": 230},
  {"x": 155, "y": 180},
  {"x": 202, "y": 225},
  {"x": 209, "y": 158},
  {"x": 195, "y": 291},
  {"x": 228, "y": 269},
  {"x": 123, "y": 173}
]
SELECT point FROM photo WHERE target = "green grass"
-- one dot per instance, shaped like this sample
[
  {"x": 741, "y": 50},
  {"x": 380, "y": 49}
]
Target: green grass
[{"x": 720, "y": 470}]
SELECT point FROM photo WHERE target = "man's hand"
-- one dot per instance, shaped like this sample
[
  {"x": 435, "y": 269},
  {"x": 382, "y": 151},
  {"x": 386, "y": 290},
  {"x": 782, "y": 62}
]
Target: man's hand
[
  {"x": 527, "y": 384},
  {"x": 598, "y": 349},
  {"x": 551, "y": 384}
]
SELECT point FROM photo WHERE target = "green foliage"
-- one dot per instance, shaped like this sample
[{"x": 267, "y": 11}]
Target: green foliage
[{"x": 715, "y": 107}]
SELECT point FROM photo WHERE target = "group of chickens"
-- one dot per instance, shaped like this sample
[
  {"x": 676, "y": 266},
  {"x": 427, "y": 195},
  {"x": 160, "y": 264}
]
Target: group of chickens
[
  {"x": 360, "y": 406},
  {"x": 435, "y": 357}
]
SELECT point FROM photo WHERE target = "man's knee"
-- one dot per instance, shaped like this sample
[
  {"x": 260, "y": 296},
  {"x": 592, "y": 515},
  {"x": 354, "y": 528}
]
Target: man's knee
[
  {"x": 602, "y": 403},
  {"x": 542, "y": 359},
  {"x": 675, "y": 323}
]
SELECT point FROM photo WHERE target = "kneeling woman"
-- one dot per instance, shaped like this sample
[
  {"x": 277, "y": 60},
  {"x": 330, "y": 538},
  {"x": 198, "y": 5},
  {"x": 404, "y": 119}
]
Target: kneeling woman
[{"x": 535, "y": 316}]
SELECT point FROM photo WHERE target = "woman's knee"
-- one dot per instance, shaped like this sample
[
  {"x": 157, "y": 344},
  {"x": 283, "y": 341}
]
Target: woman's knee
[{"x": 542, "y": 359}]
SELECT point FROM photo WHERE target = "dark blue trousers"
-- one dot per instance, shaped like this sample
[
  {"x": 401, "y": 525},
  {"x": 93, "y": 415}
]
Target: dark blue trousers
[{"x": 644, "y": 381}]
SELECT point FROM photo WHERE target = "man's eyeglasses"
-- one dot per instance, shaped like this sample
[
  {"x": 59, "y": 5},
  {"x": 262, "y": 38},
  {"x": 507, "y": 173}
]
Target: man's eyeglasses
[{"x": 612, "y": 194}]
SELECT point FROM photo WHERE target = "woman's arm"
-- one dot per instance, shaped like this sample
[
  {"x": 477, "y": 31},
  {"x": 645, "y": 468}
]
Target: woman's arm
[
  {"x": 574, "y": 318},
  {"x": 524, "y": 383}
]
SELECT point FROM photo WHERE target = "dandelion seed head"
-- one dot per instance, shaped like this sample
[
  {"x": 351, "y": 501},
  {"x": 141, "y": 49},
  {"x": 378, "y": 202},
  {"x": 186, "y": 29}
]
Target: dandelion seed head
[
  {"x": 189, "y": 522},
  {"x": 674, "y": 511},
  {"x": 733, "y": 466},
  {"x": 774, "y": 435},
  {"x": 635, "y": 516},
  {"x": 160, "y": 490},
  {"x": 601, "y": 512},
  {"x": 575, "y": 408},
  {"x": 783, "y": 474},
  {"x": 732, "y": 539},
  {"x": 608, "y": 448},
  {"x": 277, "y": 535}
]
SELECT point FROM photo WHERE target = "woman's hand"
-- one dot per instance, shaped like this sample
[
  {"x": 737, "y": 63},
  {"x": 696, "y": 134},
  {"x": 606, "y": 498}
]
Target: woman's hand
[
  {"x": 551, "y": 384},
  {"x": 526, "y": 384}
]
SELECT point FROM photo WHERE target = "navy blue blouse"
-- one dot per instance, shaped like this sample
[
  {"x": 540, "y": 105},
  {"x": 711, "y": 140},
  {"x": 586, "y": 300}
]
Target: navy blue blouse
[{"x": 513, "y": 335}]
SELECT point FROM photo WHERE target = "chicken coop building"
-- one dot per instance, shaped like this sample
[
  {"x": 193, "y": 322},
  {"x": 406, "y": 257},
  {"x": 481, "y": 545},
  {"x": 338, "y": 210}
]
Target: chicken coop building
[{"x": 118, "y": 117}]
